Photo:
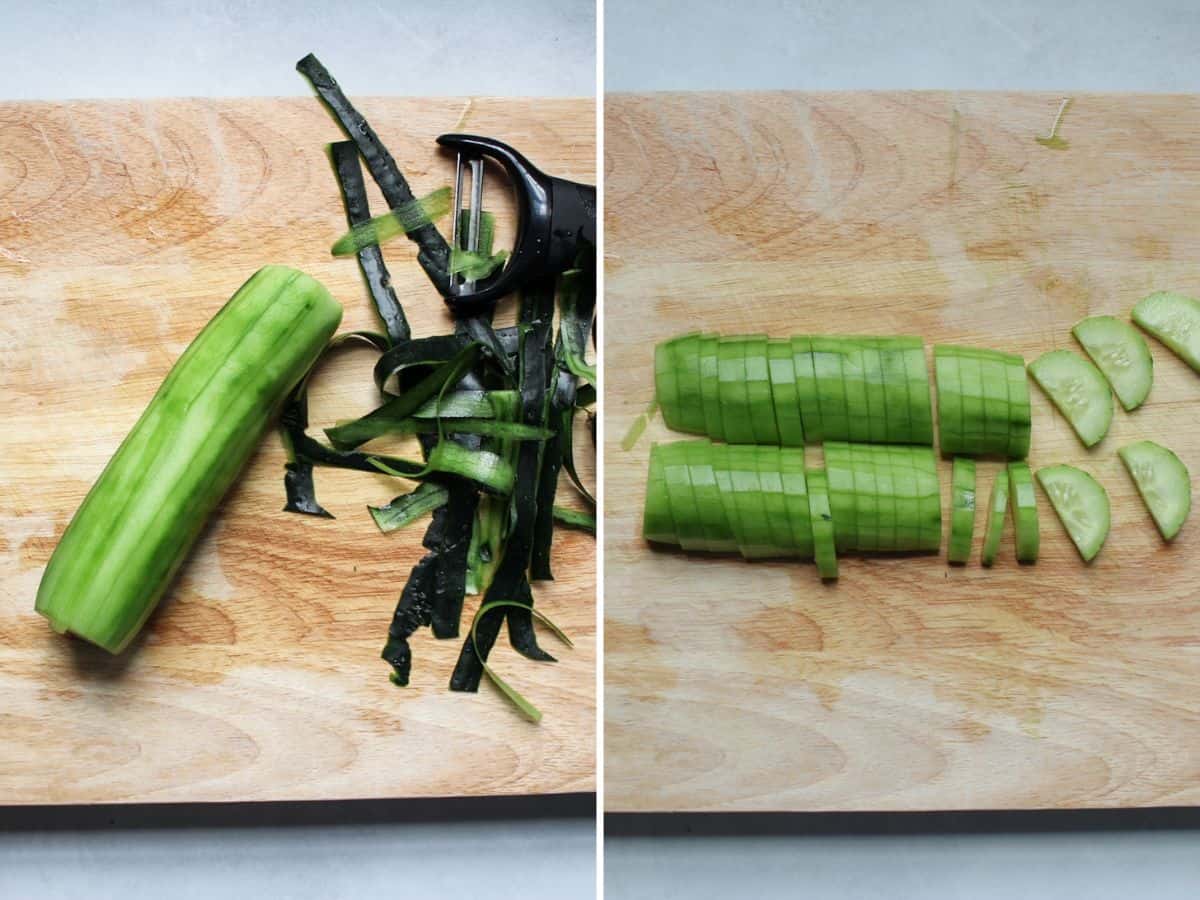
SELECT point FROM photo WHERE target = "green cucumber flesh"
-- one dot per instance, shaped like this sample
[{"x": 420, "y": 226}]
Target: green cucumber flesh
[
  {"x": 1079, "y": 391},
  {"x": 996, "y": 514},
  {"x": 824, "y": 548},
  {"x": 1175, "y": 320},
  {"x": 1120, "y": 353},
  {"x": 1163, "y": 481},
  {"x": 1081, "y": 504},
  {"x": 134, "y": 529},
  {"x": 962, "y": 510},
  {"x": 1023, "y": 498}
]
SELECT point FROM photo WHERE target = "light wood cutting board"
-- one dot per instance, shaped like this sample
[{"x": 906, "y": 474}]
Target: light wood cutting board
[
  {"x": 123, "y": 227},
  {"x": 907, "y": 684}
]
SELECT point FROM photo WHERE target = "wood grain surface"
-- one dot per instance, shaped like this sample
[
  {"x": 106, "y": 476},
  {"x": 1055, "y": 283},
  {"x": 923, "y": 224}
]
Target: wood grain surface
[
  {"x": 123, "y": 227},
  {"x": 907, "y": 684}
]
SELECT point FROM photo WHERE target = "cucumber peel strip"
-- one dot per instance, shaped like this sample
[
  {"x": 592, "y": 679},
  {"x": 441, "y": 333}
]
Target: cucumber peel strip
[
  {"x": 402, "y": 220},
  {"x": 573, "y": 518},
  {"x": 527, "y": 709},
  {"x": 407, "y": 508}
]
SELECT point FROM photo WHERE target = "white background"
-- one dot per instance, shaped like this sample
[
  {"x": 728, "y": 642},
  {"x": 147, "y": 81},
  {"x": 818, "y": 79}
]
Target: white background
[
  {"x": 521, "y": 849},
  {"x": 983, "y": 44}
]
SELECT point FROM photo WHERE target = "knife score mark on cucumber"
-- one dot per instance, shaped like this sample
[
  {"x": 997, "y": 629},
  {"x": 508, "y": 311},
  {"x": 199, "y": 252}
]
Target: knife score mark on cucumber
[{"x": 483, "y": 402}]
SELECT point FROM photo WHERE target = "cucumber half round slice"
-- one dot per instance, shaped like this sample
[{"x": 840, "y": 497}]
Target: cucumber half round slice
[
  {"x": 1081, "y": 504},
  {"x": 1079, "y": 391},
  {"x": 1120, "y": 352},
  {"x": 1175, "y": 320},
  {"x": 1163, "y": 481}
]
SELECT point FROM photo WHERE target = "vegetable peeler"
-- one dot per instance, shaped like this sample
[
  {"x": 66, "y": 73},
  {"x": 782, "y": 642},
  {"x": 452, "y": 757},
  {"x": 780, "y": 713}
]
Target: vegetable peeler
[{"x": 556, "y": 219}]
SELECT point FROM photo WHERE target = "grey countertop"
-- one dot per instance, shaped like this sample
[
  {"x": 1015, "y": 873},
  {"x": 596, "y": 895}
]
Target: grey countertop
[{"x": 528, "y": 848}]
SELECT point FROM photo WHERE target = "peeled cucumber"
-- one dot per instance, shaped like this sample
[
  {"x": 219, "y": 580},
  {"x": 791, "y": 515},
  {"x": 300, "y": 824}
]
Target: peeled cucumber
[
  {"x": 1163, "y": 481},
  {"x": 1076, "y": 387},
  {"x": 136, "y": 525},
  {"x": 996, "y": 514},
  {"x": 1081, "y": 504},
  {"x": 962, "y": 510},
  {"x": 1121, "y": 354},
  {"x": 1023, "y": 499}
]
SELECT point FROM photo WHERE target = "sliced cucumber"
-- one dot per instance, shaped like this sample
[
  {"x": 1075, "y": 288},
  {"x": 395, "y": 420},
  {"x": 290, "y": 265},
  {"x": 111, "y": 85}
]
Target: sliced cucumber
[
  {"x": 658, "y": 526},
  {"x": 996, "y": 514},
  {"x": 1120, "y": 353},
  {"x": 962, "y": 510},
  {"x": 759, "y": 398},
  {"x": 732, "y": 392},
  {"x": 784, "y": 394},
  {"x": 1081, "y": 504},
  {"x": 710, "y": 386},
  {"x": 1175, "y": 320},
  {"x": 1163, "y": 481},
  {"x": 717, "y": 529},
  {"x": 1079, "y": 391},
  {"x": 822, "y": 524},
  {"x": 1024, "y": 508}
]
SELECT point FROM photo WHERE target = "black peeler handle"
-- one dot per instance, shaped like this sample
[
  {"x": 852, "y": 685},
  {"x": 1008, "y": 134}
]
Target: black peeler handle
[{"x": 555, "y": 218}]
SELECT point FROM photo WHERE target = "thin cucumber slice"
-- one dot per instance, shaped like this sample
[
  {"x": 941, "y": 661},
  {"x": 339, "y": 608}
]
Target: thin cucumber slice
[
  {"x": 866, "y": 498},
  {"x": 896, "y": 391},
  {"x": 759, "y": 399},
  {"x": 784, "y": 393},
  {"x": 658, "y": 525},
  {"x": 876, "y": 397},
  {"x": 1163, "y": 481},
  {"x": 732, "y": 393},
  {"x": 949, "y": 401},
  {"x": 666, "y": 385},
  {"x": 996, "y": 514},
  {"x": 858, "y": 417},
  {"x": 718, "y": 531},
  {"x": 795, "y": 495},
  {"x": 748, "y": 497},
  {"x": 1079, "y": 391},
  {"x": 1175, "y": 320},
  {"x": 685, "y": 351},
  {"x": 824, "y": 548},
  {"x": 831, "y": 392},
  {"x": 688, "y": 524},
  {"x": 719, "y": 453},
  {"x": 1081, "y": 504},
  {"x": 1020, "y": 408},
  {"x": 962, "y": 510},
  {"x": 770, "y": 478},
  {"x": 806, "y": 390},
  {"x": 1024, "y": 509},
  {"x": 839, "y": 480},
  {"x": 919, "y": 404},
  {"x": 885, "y": 484},
  {"x": 710, "y": 387},
  {"x": 1120, "y": 353}
]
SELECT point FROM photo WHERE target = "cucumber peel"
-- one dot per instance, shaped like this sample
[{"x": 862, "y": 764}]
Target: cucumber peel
[
  {"x": 1081, "y": 504},
  {"x": 1120, "y": 353},
  {"x": 1024, "y": 511},
  {"x": 962, "y": 510},
  {"x": 1163, "y": 481},
  {"x": 1077, "y": 388},
  {"x": 1175, "y": 320},
  {"x": 996, "y": 514}
]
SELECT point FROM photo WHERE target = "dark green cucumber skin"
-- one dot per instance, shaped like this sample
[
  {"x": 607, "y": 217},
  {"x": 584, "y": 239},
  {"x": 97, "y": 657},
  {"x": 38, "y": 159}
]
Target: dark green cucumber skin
[{"x": 141, "y": 517}]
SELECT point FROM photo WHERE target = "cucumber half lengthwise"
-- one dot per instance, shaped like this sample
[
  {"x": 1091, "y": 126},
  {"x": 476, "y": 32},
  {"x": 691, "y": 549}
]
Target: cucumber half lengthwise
[
  {"x": 1076, "y": 387},
  {"x": 1163, "y": 481},
  {"x": 1120, "y": 353},
  {"x": 143, "y": 514},
  {"x": 1081, "y": 504}
]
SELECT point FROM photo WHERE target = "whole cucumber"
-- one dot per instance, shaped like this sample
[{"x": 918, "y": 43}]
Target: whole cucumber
[{"x": 141, "y": 517}]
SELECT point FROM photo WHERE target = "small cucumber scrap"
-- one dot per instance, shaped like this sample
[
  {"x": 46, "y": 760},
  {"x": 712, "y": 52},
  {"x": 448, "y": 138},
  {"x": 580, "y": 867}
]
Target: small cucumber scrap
[
  {"x": 1079, "y": 391},
  {"x": 1120, "y": 353},
  {"x": 1163, "y": 481},
  {"x": 1024, "y": 509},
  {"x": 1175, "y": 320},
  {"x": 822, "y": 523},
  {"x": 1081, "y": 504},
  {"x": 962, "y": 509},
  {"x": 996, "y": 514}
]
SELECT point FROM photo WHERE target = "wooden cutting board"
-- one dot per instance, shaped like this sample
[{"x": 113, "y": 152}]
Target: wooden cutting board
[
  {"x": 907, "y": 684},
  {"x": 123, "y": 227}
]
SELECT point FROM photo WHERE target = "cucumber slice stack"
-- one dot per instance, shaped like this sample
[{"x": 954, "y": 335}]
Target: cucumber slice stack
[
  {"x": 1121, "y": 354},
  {"x": 1078, "y": 389},
  {"x": 1163, "y": 481},
  {"x": 1081, "y": 504},
  {"x": 1175, "y": 320},
  {"x": 764, "y": 502},
  {"x": 983, "y": 402},
  {"x": 749, "y": 389}
]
